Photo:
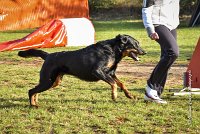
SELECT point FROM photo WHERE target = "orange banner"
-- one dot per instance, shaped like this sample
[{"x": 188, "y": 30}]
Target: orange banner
[{"x": 22, "y": 14}]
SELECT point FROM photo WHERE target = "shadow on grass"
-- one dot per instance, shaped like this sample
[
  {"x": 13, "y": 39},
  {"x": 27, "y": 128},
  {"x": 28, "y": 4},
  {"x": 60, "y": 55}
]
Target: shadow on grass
[{"x": 11, "y": 103}]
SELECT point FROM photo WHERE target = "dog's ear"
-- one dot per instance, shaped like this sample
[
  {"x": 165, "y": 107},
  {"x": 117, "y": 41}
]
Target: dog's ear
[{"x": 123, "y": 39}]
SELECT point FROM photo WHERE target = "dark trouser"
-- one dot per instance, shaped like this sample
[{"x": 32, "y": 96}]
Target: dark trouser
[{"x": 169, "y": 53}]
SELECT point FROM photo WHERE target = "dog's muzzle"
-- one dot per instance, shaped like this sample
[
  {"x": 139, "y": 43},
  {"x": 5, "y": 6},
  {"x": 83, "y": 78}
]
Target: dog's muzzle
[{"x": 134, "y": 54}]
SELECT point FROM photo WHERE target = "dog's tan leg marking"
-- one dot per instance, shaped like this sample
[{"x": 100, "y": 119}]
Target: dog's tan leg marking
[
  {"x": 114, "y": 91},
  {"x": 33, "y": 102},
  {"x": 124, "y": 88},
  {"x": 57, "y": 81},
  {"x": 36, "y": 98}
]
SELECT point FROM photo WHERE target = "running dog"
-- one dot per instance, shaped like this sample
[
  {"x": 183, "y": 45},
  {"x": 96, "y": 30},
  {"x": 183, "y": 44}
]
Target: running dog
[{"x": 92, "y": 63}]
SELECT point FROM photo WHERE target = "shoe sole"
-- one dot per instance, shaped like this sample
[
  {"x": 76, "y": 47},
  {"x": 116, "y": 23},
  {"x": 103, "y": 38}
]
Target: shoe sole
[{"x": 147, "y": 99}]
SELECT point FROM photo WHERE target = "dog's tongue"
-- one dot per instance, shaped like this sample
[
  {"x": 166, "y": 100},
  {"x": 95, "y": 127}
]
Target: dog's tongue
[{"x": 134, "y": 56}]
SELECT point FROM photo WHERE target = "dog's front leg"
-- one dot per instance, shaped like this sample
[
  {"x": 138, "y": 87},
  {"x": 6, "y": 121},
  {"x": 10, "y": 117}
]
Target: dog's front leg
[
  {"x": 99, "y": 73},
  {"x": 123, "y": 87}
]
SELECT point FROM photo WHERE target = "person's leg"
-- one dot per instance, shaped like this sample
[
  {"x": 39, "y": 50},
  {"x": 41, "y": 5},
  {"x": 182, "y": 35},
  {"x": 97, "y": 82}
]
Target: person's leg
[
  {"x": 169, "y": 53},
  {"x": 162, "y": 84}
]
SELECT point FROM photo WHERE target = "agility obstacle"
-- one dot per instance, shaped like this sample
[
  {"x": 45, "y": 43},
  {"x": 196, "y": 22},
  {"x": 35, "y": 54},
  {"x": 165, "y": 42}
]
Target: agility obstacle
[
  {"x": 56, "y": 33},
  {"x": 192, "y": 75}
]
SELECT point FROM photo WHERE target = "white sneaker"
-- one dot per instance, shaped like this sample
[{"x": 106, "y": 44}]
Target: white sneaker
[{"x": 152, "y": 95}]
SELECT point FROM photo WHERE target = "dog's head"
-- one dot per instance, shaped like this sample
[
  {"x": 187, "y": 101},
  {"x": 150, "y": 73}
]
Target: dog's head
[{"x": 129, "y": 46}]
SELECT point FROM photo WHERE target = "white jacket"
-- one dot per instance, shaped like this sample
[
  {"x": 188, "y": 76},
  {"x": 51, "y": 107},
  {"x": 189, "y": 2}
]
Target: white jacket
[{"x": 160, "y": 12}]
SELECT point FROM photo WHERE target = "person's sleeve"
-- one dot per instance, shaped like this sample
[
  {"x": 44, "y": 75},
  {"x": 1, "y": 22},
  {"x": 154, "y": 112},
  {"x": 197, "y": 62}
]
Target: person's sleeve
[{"x": 147, "y": 16}]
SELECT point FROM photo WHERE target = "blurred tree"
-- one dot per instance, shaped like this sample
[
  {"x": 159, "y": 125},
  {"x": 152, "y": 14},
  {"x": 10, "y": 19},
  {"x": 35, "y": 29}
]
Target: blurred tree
[
  {"x": 105, "y": 4},
  {"x": 187, "y": 6},
  {"x": 131, "y": 7}
]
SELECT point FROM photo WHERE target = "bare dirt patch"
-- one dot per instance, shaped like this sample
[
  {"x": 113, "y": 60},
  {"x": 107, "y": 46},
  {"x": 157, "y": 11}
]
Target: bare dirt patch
[{"x": 143, "y": 71}]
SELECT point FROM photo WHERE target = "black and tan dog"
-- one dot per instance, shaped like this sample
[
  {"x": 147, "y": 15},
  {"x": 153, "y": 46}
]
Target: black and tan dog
[{"x": 95, "y": 62}]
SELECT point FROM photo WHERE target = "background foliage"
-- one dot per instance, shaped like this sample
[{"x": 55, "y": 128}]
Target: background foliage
[{"x": 116, "y": 8}]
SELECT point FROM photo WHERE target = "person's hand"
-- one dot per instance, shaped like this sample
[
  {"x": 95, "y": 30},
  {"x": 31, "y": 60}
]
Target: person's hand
[{"x": 154, "y": 36}]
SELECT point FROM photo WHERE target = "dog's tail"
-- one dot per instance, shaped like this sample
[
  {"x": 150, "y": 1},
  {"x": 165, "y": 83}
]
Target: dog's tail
[{"x": 33, "y": 53}]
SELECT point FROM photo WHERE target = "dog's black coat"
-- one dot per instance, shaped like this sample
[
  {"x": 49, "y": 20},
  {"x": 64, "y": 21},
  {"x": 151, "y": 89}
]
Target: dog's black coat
[{"x": 95, "y": 62}]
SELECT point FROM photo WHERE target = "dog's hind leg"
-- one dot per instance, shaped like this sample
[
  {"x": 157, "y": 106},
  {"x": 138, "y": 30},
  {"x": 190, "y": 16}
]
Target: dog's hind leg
[
  {"x": 123, "y": 87},
  {"x": 33, "y": 93},
  {"x": 34, "y": 99}
]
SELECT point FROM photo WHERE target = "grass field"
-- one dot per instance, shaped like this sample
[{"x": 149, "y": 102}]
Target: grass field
[{"x": 83, "y": 107}]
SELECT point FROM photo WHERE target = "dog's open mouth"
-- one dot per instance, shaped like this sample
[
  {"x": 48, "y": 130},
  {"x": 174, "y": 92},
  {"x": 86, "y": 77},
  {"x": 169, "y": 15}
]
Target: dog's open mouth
[{"x": 133, "y": 56}]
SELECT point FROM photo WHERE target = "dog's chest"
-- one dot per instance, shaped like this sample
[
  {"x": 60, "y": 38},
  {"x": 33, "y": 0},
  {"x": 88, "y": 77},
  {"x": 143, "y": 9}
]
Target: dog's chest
[{"x": 110, "y": 63}]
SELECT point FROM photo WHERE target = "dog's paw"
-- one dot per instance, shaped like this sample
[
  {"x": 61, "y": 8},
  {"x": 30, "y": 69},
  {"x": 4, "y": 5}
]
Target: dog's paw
[
  {"x": 128, "y": 95},
  {"x": 131, "y": 96},
  {"x": 135, "y": 98},
  {"x": 34, "y": 106}
]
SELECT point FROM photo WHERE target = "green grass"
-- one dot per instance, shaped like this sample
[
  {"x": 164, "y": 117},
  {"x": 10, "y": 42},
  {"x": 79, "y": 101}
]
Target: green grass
[{"x": 82, "y": 107}]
